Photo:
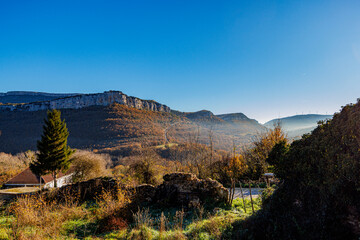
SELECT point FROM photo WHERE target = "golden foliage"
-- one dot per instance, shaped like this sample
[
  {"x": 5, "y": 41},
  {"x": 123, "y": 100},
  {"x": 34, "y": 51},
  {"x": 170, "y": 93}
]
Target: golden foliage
[
  {"x": 257, "y": 155},
  {"x": 11, "y": 165},
  {"x": 237, "y": 166},
  {"x": 88, "y": 165}
]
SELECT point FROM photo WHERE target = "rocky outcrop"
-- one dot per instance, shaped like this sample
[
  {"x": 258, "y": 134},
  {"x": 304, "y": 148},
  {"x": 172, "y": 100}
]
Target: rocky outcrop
[
  {"x": 144, "y": 193},
  {"x": 178, "y": 190},
  {"x": 185, "y": 189},
  {"x": 84, "y": 191},
  {"x": 87, "y": 100}
]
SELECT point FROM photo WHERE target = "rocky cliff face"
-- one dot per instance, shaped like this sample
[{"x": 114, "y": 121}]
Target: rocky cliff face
[{"x": 87, "y": 100}]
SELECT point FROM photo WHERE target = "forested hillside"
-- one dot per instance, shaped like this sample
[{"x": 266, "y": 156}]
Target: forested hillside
[{"x": 115, "y": 129}]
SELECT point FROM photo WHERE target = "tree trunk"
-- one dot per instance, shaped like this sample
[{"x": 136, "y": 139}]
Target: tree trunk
[
  {"x": 233, "y": 191},
  {"x": 55, "y": 182},
  {"x": 251, "y": 199},
  {"x": 242, "y": 196}
]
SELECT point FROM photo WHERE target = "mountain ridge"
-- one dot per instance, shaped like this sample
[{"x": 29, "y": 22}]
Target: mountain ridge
[
  {"x": 112, "y": 119},
  {"x": 13, "y": 97},
  {"x": 297, "y": 125},
  {"x": 108, "y": 121}
]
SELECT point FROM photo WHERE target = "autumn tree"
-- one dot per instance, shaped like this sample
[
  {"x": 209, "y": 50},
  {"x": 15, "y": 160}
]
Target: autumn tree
[
  {"x": 257, "y": 155},
  {"x": 54, "y": 153},
  {"x": 236, "y": 168},
  {"x": 88, "y": 165},
  {"x": 144, "y": 168}
]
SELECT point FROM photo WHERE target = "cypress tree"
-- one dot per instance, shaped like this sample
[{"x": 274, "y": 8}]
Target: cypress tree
[{"x": 54, "y": 153}]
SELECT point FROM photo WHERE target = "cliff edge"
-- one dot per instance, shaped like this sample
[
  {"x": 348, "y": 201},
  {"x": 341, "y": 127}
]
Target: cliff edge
[{"x": 87, "y": 100}]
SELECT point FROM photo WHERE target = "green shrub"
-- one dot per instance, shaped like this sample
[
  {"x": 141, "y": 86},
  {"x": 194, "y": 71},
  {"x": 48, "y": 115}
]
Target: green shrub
[{"x": 318, "y": 197}]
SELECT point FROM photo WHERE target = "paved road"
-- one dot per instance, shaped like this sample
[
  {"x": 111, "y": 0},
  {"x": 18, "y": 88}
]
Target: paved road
[{"x": 254, "y": 191}]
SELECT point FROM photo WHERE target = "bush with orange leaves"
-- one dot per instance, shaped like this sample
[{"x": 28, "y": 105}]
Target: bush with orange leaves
[
  {"x": 229, "y": 169},
  {"x": 108, "y": 202},
  {"x": 113, "y": 212},
  {"x": 29, "y": 210},
  {"x": 256, "y": 155}
]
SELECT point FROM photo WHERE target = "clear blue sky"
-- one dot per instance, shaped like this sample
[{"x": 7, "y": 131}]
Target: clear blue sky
[{"x": 263, "y": 58}]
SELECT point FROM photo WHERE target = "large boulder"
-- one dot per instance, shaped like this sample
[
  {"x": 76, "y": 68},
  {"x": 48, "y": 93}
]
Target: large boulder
[
  {"x": 143, "y": 193},
  {"x": 185, "y": 189}
]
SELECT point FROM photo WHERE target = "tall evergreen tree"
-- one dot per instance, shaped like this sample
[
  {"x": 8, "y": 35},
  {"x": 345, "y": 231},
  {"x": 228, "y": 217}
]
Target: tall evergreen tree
[{"x": 54, "y": 153}]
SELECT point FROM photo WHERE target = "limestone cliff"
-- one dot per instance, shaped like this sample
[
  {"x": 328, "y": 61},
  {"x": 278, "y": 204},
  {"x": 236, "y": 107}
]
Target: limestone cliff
[{"x": 87, "y": 100}]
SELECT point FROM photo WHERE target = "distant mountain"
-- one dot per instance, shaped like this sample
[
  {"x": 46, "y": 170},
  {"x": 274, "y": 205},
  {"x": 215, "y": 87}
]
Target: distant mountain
[
  {"x": 236, "y": 126},
  {"x": 114, "y": 122},
  {"x": 297, "y": 125},
  {"x": 234, "y": 117},
  {"x": 28, "y": 97},
  {"x": 203, "y": 117}
]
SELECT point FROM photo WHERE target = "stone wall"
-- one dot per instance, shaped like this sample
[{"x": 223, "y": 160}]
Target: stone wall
[{"x": 87, "y": 100}]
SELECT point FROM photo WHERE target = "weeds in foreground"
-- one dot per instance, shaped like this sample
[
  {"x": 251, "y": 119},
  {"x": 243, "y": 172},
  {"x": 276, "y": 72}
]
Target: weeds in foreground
[
  {"x": 37, "y": 218},
  {"x": 32, "y": 217},
  {"x": 108, "y": 204},
  {"x": 142, "y": 218},
  {"x": 179, "y": 219}
]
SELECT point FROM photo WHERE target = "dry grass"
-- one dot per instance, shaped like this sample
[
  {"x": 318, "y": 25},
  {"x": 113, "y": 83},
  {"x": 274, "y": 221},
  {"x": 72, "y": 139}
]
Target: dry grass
[
  {"x": 143, "y": 218},
  {"x": 32, "y": 217},
  {"x": 108, "y": 204},
  {"x": 20, "y": 190},
  {"x": 179, "y": 218},
  {"x": 36, "y": 218}
]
